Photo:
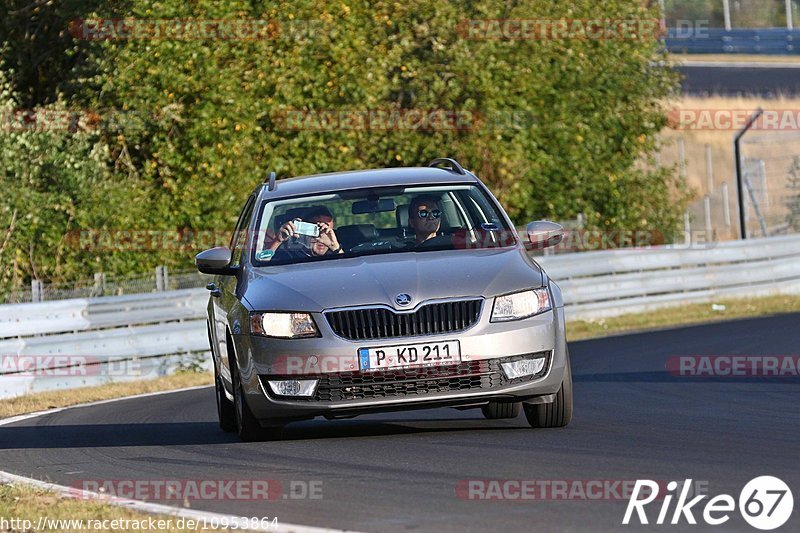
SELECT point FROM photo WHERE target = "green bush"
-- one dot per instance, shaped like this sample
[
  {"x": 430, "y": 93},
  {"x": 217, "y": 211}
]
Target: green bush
[
  {"x": 566, "y": 126},
  {"x": 54, "y": 181}
]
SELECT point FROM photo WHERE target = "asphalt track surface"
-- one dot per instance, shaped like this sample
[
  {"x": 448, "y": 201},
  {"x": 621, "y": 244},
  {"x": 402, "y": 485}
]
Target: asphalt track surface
[
  {"x": 740, "y": 81},
  {"x": 399, "y": 472}
]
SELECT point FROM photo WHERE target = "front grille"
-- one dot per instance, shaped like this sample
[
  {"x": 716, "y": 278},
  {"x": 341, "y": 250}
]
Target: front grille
[
  {"x": 382, "y": 323},
  {"x": 473, "y": 375},
  {"x": 480, "y": 375}
]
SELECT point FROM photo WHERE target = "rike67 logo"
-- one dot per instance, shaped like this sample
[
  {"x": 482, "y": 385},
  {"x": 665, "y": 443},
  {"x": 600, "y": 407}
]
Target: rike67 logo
[{"x": 765, "y": 503}]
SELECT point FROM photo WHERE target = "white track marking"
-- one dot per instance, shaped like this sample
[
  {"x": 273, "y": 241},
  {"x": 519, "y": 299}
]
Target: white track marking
[{"x": 136, "y": 505}]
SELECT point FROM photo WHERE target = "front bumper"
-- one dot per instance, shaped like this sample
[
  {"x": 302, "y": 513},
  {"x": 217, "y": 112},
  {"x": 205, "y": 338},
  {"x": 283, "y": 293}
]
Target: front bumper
[{"x": 344, "y": 391}]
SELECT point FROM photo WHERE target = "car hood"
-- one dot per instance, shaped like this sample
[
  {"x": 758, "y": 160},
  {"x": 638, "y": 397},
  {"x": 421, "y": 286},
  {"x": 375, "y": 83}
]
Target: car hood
[{"x": 377, "y": 279}]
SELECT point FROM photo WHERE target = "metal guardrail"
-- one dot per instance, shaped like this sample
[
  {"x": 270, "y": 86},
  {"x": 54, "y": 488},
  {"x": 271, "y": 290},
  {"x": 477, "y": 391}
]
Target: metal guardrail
[
  {"x": 768, "y": 41},
  {"x": 17, "y": 320},
  {"x": 615, "y": 282},
  {"x": 112, "y": 371},
  {"x": 146, "y": 335},
  {"x": 91, "y": 341}
]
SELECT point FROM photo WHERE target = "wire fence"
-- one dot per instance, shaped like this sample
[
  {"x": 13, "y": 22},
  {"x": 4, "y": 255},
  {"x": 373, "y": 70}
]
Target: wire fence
[
  {"x": 770, "y": 184},
  {"x": 732, "y": 13},
  {"x": 105, "y": 285}
]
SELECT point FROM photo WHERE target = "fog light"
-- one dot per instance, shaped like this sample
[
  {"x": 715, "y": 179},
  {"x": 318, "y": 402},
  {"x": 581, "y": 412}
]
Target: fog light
[
  {"x": 523, "y": 367},
  {"x": 293, "y": 387}
]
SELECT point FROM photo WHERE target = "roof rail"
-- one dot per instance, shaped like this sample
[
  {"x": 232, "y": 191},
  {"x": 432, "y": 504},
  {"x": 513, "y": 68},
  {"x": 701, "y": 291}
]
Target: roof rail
[
  {"x": 454, "y": 166},
  {"x": 273, "y": 184}
]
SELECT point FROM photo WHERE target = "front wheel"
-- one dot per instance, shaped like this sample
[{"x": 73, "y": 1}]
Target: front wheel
[
  {"x": 559, "y": 412},
  {"x": 247, "y": 425},
  {"x": 226, "y": 412},
  {"x": 497, "y": 410}
]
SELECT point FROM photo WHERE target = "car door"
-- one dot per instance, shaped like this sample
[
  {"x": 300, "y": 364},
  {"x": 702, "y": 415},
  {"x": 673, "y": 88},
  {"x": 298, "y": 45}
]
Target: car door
[{"x": 225, "y": 304}]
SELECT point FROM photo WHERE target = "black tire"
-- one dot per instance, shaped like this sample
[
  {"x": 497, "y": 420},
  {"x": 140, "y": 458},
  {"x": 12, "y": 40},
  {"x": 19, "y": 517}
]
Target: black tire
[
  {"x": 226, "y": 411},
  {"x": 247, "y": 425},
  {"x": 558, "y": 413},
  {"x": 496, "y": 410}
]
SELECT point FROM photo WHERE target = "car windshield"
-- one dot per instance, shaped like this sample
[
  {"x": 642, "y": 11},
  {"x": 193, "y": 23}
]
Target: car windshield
[{"x": 378, "y": 221}]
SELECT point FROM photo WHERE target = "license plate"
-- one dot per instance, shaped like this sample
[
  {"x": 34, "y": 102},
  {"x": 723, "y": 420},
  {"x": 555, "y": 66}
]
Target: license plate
[{"x": 409, "y": 355}]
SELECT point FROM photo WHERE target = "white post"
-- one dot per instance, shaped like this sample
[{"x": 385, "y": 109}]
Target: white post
[
  {"x": 37, "y": 290},
  {"x": 726, "y": 8},
  {"x": 707, "y": 213},
  {"x": 709, "y": 169},
  {"x": 100, "y": 283},
  {"x": 687, "y": 229},
  {"x": 161, "y": 286},
  {"x": 789, "y": 21},
  {"x": 726, "y": 208}
]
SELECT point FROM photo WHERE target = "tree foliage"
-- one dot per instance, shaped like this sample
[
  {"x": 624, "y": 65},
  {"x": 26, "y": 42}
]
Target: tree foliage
[
  {"x": 189, "y": 126},
  {"x": 53, "y": 179}
]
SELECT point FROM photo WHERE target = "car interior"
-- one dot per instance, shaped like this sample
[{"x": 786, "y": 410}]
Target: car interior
[{"x": 463, "y": 222}]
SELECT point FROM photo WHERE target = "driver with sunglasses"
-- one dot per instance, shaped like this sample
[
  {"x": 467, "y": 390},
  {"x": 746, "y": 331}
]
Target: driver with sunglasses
[{"x": 425, "y": 217}]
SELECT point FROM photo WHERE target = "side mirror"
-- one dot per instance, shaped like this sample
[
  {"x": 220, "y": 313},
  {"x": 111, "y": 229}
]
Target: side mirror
[
  {"x": 544, "y": 234},
  {"x": 215, "y": 261}
]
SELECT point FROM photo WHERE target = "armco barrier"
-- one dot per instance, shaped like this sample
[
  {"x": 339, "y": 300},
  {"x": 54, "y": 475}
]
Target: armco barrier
[
  {"x": 150, "y": 329},
  {"x": 702, "y": 40},
  {"x": 615, "y": 282},
  {"x": 96, "y": 374},
  {"x": 146, "y": 335},
  {"x": 97, "y": 313}
]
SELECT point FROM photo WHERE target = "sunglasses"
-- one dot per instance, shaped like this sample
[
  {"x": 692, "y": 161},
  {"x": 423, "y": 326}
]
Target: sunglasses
[{"x": 424, "y": 213}]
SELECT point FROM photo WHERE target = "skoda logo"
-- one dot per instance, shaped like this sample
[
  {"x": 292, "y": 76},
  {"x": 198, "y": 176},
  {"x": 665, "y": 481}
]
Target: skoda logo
[{"x": 402, "y": 299}]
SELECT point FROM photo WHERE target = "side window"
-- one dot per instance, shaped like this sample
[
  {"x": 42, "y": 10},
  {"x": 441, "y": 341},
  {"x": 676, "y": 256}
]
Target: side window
[
  {"x": 470, "y": 210},
  {"x": 239, "y": 238}
]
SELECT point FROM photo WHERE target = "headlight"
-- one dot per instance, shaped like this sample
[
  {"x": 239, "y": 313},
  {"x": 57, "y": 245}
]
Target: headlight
[
  {"x": 283, "y": 325},
  {"x": 520, "y": 305}
]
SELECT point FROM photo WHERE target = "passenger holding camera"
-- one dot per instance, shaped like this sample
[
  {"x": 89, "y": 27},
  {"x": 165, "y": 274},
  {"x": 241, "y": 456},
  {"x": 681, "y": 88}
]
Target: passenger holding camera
[{"x": 325, "y": 243}]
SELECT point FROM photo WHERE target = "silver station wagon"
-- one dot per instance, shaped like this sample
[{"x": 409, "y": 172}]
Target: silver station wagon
[{"x": 380, "y": 290}]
